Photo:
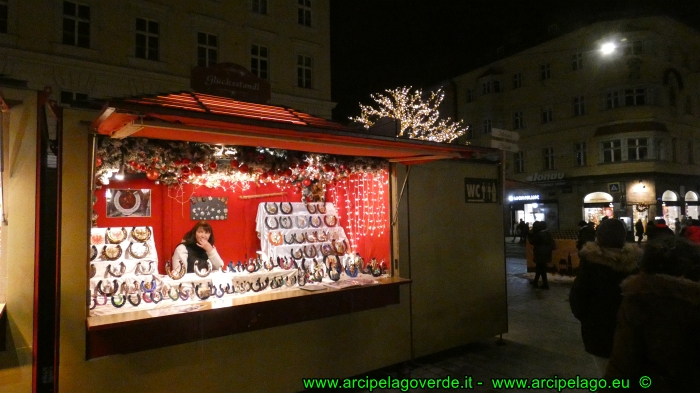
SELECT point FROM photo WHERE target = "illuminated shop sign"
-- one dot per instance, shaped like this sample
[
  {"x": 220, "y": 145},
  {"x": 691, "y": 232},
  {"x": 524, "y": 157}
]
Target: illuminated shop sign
[
  {"x": 515, "y": 198},
  {"x": 546, "y": 176}
]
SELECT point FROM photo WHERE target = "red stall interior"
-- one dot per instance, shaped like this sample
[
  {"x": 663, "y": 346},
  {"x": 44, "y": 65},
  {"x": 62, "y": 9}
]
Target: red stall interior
[{"x": 361, "y": 200}]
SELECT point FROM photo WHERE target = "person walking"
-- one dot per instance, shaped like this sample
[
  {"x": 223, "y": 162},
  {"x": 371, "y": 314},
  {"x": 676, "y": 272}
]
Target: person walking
[
  {"x": 524, "y": 230},
  {"x": 639, "y": 228},
  {"x": 516, "y": 229},
  {"x": 659, "y": 320},
  {"x": 543, "y": 244},
  {"x": 595, "y": 295},
  {"x": 676, "y": 226}
]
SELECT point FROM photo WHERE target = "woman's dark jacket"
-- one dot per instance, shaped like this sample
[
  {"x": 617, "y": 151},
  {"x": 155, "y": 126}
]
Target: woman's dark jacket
[
  {"x": 542, "y": 246},
  {"x": 596, "y": 295}
]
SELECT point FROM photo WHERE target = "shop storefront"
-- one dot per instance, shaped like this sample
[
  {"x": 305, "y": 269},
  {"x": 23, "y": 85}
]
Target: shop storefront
[
  {"x": 671, "y": 209},
  {"x": 691, "y": 205},
  {"x": 328, "y": 241},
  {"x": 597, "y": 205}
]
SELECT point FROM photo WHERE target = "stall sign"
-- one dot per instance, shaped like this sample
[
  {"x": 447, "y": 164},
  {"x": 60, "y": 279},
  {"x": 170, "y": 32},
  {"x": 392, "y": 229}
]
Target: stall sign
[
  {"x": 516, "y": 198},
  {"x": 545, "y": 176},
  {"x": 232, "y": 81},
  {"x": 480, "y": 190}
]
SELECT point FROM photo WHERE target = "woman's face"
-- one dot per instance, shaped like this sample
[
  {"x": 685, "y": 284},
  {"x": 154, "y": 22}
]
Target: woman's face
[{"x": 202, "y": 234}]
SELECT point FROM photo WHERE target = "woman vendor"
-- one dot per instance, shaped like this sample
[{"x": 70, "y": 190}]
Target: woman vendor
[{"x": 197, "y": 247}]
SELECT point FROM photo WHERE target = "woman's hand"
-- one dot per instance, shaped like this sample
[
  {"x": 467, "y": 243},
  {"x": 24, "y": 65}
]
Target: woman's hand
[{"x": 205, "y": 245}]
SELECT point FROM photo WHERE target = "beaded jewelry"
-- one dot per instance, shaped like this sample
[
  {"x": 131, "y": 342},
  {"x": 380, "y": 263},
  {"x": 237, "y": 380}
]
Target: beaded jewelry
[{"x": 121, "y": 302}]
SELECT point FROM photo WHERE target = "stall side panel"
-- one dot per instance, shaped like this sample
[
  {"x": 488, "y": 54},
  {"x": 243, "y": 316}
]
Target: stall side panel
[
  {"x": 456, "y": 255},
  {"x": 18, "y": 235}
]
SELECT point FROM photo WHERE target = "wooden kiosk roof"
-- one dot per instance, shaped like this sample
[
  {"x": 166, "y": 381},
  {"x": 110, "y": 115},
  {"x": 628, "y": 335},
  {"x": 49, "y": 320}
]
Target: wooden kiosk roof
[{"x": 205, "y": 118}]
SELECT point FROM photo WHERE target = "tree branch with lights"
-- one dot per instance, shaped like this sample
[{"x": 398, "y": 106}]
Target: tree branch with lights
[{"x": 419, "y": 118}]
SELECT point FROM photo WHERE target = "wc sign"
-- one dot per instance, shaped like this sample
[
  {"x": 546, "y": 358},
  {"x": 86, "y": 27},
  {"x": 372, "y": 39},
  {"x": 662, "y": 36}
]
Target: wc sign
[{"x": 481, "y": 190}]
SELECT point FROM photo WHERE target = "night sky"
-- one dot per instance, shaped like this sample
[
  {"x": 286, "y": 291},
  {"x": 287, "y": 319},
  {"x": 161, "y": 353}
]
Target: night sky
[{"x": 380, "y": 44}]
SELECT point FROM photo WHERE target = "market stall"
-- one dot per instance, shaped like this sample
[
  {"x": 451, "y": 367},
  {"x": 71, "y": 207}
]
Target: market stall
[{"x": 378, "y": 232}]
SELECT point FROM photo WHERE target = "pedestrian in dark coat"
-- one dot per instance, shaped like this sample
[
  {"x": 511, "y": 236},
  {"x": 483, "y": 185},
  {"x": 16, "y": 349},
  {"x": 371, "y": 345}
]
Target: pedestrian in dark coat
[
  {"x": 659, "y": 229},
  {"x": 659, "y": 320},
  {"x": 585, "y": 234},
  {"x": 639, "y": 228},
  {"x": 595, "y": 295},
  {"x": 542, "y": 246},
  {"x": 524, "y": 230}
]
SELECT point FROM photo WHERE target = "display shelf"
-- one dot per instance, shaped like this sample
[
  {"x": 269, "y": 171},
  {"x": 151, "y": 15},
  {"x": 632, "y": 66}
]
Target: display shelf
[
  {"x": 3, "y": 326},
  {"x": 142, "y": 330}
]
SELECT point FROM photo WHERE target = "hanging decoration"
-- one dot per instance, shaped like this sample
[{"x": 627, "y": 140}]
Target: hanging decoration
[{"x": 419, "y": 118}]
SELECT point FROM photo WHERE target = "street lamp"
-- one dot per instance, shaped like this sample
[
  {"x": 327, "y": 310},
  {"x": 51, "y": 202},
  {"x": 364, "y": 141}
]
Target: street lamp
[{"x": 608, "y": 48}]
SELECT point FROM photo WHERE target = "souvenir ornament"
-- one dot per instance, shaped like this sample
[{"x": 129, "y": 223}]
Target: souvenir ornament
[
  {"x": 120, "y": 302},
  {"x": 107, "y": 292},
  {"x": 136, "y": 302},
  {"x": 93, "y": 252},
  {"x": 301, "y": 239},
  {"x": 275, "y": 238},
  {"x": 271, "y": 223},
  {"x": 286, "y": 207},
  {"x": 326, "y": 250},
  {"x": 312, "y": 237},
  {"x": 202, "y": 272},
  {"x": 271, "y": 208},
  {"x": 340, "y": 247},
  {"x": 117, "y": 273},
  {"x": 141, "y": 234},
  {"x": 93, "y": 270},
  {"x": 179, "y": 273},
  {"x": 141, "y": 271},
  {"x": 96, "y": 239},
  {"x": 127, "y": 202},
  {"x": 302, "y": 222},
  {"x": 323, "y": 236},
  {"x": 115, "y": 235},
  {"x": 286, "y": 222},
  {"x": 321, "y": 208},
  {"x": 315, "y": 221},
  {"x": 138, "y": 250},
  {"x": 330, "y": 220},
  {"x": 310, "y": 251},
  {"x": 311, "y": 208}
]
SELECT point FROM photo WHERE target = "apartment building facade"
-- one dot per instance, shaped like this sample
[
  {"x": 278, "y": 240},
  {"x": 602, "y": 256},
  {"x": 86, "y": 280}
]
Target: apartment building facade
[
  {"x": 608, "y": 118},
  {"x": 100, "y": 49}
]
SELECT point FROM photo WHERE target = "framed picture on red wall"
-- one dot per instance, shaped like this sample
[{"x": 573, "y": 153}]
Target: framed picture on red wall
[{"x": 128, "y": 203}]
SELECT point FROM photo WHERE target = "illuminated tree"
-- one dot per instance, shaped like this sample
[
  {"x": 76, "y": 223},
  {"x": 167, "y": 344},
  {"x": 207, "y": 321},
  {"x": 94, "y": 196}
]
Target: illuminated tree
[{"x": 418, "y": 118}]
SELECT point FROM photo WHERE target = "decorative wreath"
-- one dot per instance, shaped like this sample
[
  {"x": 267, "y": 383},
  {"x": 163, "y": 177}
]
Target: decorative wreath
[{"x": 642, "y": 207}]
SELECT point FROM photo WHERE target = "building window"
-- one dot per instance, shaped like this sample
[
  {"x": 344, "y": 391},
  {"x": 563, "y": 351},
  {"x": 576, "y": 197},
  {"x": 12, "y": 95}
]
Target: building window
[
  {"x": 470, "y": 95},
  {"x": 496, "y": 86},
  {"x": 544, "y": 71},
  {"x": 580, "y": 153},
  {"x": 546, "y": 115},
  {"x": 486, "y": 126},
  {"x": 688, "y": 105},
  {"x": 304, "y": 69},
  {"x": 612, "y": 100},
  {"x": 259, "y": 6},
  {"x": 548, "y": 157},
  {"x": 517, "y": 80},
  {"x": 637, "y": 148},
  {"x": 147, "y": 37},
  {"x": 518, "y": 121},
  {"x": 579, "y": 106},
  {"x": 207, "y": 52},
  {"x": 576, "y": 61},
  {"x": 69, "y": 97},
  {"x": 612, "y": 151},
  {"x": 486, "y": 87},
  {"x": 635, "y": 48},
  {"x": 519, "y": 161},
  {"x": 470, "y": 132},
  {"x": 691, "y": 152},
  {"x": 674, "y": 149},
  {"x": 635, "y": 97},
  {"x": 76, "y": 24},
  {"x": 304, "y": 12},
  {"x": 3, "y": 16},
  {"x": 259, "y": 62}
]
